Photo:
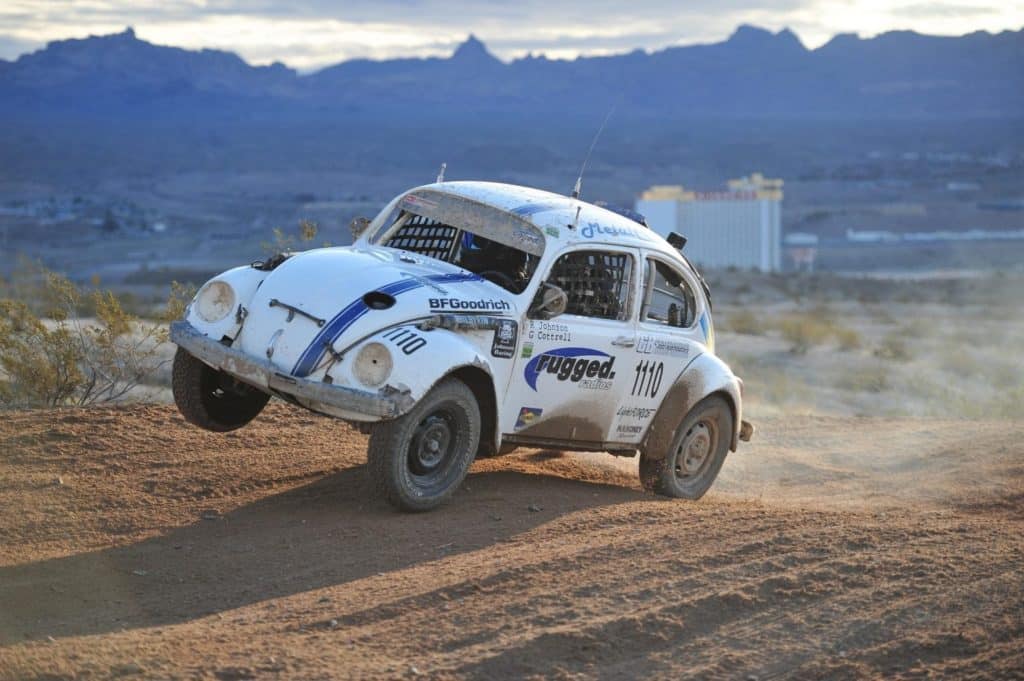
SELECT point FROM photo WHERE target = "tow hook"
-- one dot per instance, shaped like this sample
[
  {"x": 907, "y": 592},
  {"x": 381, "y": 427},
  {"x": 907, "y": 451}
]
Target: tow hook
[{"x": 746, "y": 430}]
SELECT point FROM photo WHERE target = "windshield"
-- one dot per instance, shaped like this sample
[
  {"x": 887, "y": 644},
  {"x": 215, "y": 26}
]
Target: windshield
[{"x": 500, "y": 247}]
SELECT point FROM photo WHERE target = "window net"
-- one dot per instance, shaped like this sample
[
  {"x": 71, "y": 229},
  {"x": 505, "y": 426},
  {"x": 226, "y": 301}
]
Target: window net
[
  {"x": 424, "y": 236},
  {"x": 596, "y": 283}
]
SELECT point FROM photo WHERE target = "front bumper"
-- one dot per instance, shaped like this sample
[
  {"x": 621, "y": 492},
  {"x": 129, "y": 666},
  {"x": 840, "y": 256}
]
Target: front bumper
[{"x": 261, "y": 374}]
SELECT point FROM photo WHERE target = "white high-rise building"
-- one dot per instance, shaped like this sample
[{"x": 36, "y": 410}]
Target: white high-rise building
[{"x": 737, "y": 227}]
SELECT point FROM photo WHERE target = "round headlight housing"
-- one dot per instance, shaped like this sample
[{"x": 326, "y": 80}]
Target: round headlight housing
[
  {"x": 215, "y": 301},
  {"x": 373, "y": 365}
]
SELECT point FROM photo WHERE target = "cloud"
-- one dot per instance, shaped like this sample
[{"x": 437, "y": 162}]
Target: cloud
[{"x": 307, "y": 34}]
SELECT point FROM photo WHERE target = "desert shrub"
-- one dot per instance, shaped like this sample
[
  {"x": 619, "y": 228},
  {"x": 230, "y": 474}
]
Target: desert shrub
[
  {"x": 846, "y": 338},
  {"x": 41, "y": 364},
  {"x": 893, "y": 347},
  {"x": 284, "y": 242},
  {"x": 745, "y": 322},
  {"x": 802, "y": 333},
  {"x": 960, "y": 362},
  {"x": 868, "y": 379},
  {"x": 58, "y": 357}
]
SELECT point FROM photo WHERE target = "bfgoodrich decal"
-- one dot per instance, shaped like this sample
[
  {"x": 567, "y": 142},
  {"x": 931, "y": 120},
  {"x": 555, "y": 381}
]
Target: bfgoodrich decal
[
  {"x": 586, "y": 367},
  {"x": 461, "y": 304}
]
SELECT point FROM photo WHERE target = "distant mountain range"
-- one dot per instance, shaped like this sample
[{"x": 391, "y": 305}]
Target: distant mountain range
[{"x": 755, "y": 73}]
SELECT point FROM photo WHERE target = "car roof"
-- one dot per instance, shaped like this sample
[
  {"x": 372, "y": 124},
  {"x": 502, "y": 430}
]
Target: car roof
[{"x": 553, "y": 214}]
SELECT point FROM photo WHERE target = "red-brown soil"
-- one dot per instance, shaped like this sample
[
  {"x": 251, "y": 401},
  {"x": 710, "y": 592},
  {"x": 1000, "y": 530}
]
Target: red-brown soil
[{"x": 135, "y": 546}]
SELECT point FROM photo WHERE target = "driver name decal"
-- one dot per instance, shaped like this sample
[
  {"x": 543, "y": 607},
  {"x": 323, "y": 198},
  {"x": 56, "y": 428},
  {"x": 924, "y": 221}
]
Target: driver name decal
[{"x": 574, "y": 365}]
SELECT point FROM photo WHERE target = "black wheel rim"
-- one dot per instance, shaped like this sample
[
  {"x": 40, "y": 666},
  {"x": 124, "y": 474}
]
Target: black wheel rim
[
  {"x": 696, "y": 450},
  {"x": 433, "y": 445}
]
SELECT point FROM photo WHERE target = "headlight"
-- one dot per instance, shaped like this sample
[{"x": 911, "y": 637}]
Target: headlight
[
  {"x": 215, "y": 301},
  {"x": 373, "y": 365}
]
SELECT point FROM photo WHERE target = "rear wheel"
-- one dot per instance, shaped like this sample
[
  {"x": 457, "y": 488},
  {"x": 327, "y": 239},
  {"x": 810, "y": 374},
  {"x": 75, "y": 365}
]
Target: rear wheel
[
  {"x": 211, "y": 399},
  {"x": 697, "y": 453},
  {"x": 418, "y": 460}
]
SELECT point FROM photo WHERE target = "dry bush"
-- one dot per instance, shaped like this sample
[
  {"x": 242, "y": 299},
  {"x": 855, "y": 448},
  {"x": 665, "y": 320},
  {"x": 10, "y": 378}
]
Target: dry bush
[
  {"x": 847, "y": 338},
  {"x": 961, "y": 363},
  {"x": 872, "y": 379},
  {"x": 769, "y": 384},
  {"x": 893, "y": 347},
  {"x": 58, "y": 357},
  {"x": 802, "y": 333},
  {"x": 285, "y": 243},
  {"x": 745, "y": 322}
]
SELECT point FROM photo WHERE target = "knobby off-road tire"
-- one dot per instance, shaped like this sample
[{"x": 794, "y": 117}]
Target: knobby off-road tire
[
  {"x": 211, "y": 399},
  {"x": 418, "y": 460},
  {"x": 697, "y": 453}
]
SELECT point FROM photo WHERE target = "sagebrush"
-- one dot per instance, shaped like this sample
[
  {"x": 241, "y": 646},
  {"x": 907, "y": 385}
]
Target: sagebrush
[{"x": 52, "y": 355}]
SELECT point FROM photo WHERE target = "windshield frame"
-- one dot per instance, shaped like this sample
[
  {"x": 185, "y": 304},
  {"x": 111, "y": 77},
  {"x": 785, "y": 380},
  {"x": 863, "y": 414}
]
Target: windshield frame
[{"x": 465, "y": 214}]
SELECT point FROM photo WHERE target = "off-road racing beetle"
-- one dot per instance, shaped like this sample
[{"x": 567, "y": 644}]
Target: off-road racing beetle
[{"x": 466, "y": 319}]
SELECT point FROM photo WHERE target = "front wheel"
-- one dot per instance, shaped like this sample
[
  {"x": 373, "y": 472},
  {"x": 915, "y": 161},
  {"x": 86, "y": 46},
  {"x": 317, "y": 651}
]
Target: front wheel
[
  {"x": 697, "y": 453},
  {"x": 211, "y": 399},
  {"x": 419, "y": 459}
]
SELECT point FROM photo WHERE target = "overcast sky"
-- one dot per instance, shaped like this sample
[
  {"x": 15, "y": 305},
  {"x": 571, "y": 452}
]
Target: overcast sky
[{"x": 307, "y": 34}]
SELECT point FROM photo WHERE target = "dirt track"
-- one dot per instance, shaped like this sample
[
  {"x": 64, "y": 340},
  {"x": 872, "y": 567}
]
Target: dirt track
[{"x": 831, "y": 548}]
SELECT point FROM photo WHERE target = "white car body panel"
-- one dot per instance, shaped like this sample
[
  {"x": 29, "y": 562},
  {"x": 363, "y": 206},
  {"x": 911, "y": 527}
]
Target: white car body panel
[{"x": 581, "y": 382}]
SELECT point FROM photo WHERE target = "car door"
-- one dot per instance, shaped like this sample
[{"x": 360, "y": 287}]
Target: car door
[
  {"x": 569, "y": 370},
  {"x": 669, "y": 336}
]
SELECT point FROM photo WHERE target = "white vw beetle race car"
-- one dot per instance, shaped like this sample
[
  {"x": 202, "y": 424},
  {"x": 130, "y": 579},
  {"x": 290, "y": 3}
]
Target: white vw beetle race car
[{"x": 469, "y": 318}]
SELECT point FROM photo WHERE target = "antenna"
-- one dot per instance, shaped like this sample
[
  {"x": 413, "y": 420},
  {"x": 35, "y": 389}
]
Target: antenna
[
  {"x": 440, "y": 172},
  {"x": 583, "y": 168}
]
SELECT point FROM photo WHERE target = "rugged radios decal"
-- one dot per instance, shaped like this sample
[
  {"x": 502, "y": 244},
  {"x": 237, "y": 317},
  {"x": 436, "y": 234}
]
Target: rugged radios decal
[{"x": 572, "y": 364}]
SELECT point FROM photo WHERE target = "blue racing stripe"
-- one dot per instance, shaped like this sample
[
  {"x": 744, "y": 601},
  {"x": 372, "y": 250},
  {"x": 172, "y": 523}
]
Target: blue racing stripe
[{"x": 349, "y": 314}]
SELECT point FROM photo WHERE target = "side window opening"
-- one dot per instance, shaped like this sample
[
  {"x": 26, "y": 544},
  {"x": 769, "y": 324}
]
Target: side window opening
[
  {"x": 668, "y": 298},
  {"x": 596, "y": 282}
]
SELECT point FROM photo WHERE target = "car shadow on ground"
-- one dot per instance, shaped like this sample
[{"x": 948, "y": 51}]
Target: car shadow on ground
[{"x": 322, "y": 534}]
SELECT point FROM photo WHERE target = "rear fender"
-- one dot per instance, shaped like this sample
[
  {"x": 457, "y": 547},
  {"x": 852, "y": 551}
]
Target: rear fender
[{"x": 704, "y": 376}]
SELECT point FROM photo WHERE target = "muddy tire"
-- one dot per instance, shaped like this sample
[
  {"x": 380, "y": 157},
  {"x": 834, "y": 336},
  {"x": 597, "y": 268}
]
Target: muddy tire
[
  {"x": 697, "y": 453},
  {"x": 418, "y": 460},
  {"x": 211, "y": 399}
]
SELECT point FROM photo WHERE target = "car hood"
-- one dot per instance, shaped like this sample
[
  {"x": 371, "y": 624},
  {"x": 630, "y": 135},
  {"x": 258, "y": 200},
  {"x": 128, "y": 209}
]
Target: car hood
[{"x": 317, "y": 302}]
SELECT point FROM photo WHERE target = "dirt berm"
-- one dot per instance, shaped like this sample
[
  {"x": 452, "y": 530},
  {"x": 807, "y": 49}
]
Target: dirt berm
[{"x": 135, "y": 546}]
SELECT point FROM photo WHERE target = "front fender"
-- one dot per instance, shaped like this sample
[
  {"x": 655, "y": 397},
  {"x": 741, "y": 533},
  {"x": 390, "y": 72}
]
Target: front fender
[
  {"x": 704, "y": 376},
  {"x": 244, "y": 280},
  {"x": 421, "y": 357}
]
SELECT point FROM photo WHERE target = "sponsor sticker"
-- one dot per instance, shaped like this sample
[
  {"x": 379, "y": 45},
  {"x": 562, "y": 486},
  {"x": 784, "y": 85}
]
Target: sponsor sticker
[
  {"x": 709, "y": 332},
  {"x": 552, "y": 232},
  {"x": 526, "y": 237},
  {"x": 638, "y": 413},
  {"x": 527, "y": 416},
  {"x": 527, "y": 352},
  {"x": 505, "y": 337},
  {"x": 414, "y": 201},
  {"x": 595, "y": 230},
  {"x": 658, "y": 345},
  {"x": 461, "y": 304},
  {"x": 628, "y": 429},
  {"x": 528, "y": 209},
  {"x": 588, "y": 368}
]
